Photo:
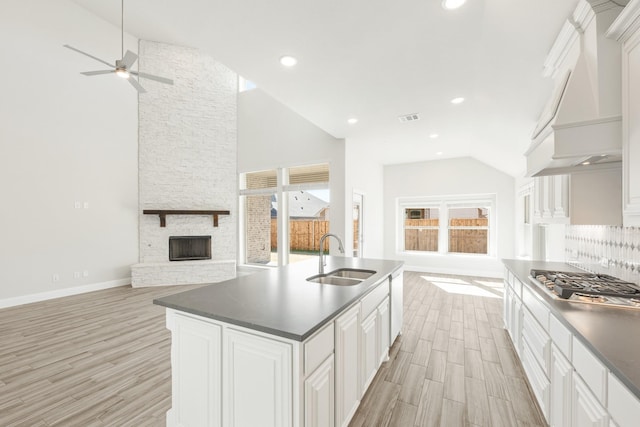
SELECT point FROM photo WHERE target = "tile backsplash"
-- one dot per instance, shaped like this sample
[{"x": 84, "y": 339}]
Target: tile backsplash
[{"x": 605, "y": 249}]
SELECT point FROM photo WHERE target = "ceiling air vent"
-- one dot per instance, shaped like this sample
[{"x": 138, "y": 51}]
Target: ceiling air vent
[{"x": 409, "y": 118}]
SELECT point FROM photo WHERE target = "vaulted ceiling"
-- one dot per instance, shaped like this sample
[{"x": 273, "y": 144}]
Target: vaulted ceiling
[{"x": 376, "y": 60}]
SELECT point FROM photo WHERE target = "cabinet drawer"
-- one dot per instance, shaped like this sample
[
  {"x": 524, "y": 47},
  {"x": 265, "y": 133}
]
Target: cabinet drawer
[
  {"x": 318, "y": 348},
  {"x": 517, "y": 287},
  {"x": 560, "y": 336},
  {"x": 536, "y": 307},
  {"x": 590, "y": 369},
  {"x": 538, "y": 340},
  {"x": 624, "y": 407},
  {"x": 374, "y": 298},
  {"x": 537, "y": 379}
]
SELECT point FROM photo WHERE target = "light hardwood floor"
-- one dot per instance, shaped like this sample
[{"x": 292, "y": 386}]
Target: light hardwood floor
[
  {"x": 102, "y": 359},
  {"x": 454, "y": 364}
]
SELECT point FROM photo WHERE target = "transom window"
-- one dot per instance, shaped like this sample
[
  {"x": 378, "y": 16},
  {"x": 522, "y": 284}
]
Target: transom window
[{"x": 284, "y": 212}]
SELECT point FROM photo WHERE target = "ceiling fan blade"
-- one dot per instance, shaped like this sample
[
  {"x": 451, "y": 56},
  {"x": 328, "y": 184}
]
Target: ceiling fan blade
[
  {"x": 90, "y": 56},
  {"x": 129, "y": 59},
  {"x": 135, "y": 84},
  {"x": 152, "y": 77},
  {"x": 96, "y": 73}
]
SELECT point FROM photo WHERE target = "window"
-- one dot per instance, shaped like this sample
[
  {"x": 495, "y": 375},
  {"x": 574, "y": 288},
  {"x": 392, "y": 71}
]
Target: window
[
  {"x": 285, "y": 212},
  {"x": 421, "y": 227},
  {"x": 469, "y": 230},
  {"x": 309, "y": 201},
  {"x": 245, "y": 85},
  {"x": 448, "y": 225}
]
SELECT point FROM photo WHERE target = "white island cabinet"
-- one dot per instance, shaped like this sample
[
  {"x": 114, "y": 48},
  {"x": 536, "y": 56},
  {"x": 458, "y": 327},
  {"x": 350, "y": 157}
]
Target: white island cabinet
[{"x": 233, "y": 376}]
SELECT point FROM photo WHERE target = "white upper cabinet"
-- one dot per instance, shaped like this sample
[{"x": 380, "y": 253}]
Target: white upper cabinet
[
  {"x": 551, "y": 199},
  {"x": 626, "y": 29}
]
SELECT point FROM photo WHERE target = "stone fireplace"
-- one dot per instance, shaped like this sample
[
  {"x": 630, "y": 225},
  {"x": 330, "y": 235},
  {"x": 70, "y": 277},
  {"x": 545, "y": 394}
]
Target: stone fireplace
[{"x": 187, "y": 168}]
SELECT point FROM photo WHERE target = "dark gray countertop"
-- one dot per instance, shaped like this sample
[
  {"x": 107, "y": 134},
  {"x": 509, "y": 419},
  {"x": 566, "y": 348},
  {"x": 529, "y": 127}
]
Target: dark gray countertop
[
  {"x": 612, "y": 334},
  {"x": 280, "y": 301}
]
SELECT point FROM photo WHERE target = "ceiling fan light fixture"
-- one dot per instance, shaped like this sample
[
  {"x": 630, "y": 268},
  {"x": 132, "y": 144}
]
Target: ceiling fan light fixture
[
  {"x": 452, "y": 4},
  {"x": 122, "y": 72}
]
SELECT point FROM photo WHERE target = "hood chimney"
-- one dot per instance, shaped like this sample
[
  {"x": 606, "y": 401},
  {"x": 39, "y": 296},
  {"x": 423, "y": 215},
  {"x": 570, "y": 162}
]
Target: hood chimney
[{"x": 582, "y": 124}]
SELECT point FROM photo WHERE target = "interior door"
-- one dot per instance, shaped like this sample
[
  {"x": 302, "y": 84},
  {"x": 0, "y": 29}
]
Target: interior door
[{"x": 358, "y": 204}]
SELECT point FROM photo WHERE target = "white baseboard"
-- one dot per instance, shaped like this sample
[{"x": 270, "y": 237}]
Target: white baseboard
[
  {"x": 456, "y": 271},
  {"x": 43, "y": 296}
]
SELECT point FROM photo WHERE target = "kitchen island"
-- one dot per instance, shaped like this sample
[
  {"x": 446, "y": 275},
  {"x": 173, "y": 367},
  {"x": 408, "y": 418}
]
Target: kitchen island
[
  {"x": 582, "y": 360},
  {"x": 274, "y": 349}
]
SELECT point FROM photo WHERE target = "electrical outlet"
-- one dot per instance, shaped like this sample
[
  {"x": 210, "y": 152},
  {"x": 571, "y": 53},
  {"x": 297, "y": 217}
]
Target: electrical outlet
[
  {"x": 86, "y": 205},
  {"x": 85, "y": 273},
  {"x": 76, "y": 274},
  {"x": 77, "y": 205},
  {"x": 604, "y": 262},
  {"x": 55, "y": 277}
]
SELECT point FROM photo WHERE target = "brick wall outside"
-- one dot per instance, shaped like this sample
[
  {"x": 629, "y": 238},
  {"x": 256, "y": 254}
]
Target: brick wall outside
[{"x": 258, "y": 244}]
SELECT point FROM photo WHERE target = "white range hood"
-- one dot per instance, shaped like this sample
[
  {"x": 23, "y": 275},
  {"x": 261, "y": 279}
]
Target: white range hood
[{"x": 581, "y": 127}]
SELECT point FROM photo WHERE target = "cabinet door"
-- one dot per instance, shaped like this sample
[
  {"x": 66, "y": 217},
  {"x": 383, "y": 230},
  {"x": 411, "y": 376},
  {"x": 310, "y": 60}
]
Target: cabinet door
[
  {"x": 196, "y": 373},
  {"x": 536, "y": 376},
  {"x": 631, "y": 130},
  {"x": 516, "y": 323},
  {"x": 507, "y": 309},
  {"x": 258, "y": 381},
  {"x": 347, "y": 361},
  {"x": 383, "y": 332},
  {"x": 396, "y": 306},
  {"x": 370, "y": 350},
  {"x": 561, "y": 389},
  {"x": 586, "y": 410},
  {"x": 319, "y": 396}
]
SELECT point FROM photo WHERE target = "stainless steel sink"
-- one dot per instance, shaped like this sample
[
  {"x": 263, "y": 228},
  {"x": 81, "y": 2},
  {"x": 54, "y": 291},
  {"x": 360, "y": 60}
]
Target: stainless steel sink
[{"x": 342, "y": 277}]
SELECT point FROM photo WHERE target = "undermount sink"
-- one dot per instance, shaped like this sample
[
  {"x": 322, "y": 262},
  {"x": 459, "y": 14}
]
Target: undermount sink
[{"x": 342, "y": 277}]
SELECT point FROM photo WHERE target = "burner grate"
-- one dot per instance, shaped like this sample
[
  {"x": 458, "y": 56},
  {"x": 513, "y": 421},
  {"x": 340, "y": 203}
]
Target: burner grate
[{"x": 566, "y": 284}]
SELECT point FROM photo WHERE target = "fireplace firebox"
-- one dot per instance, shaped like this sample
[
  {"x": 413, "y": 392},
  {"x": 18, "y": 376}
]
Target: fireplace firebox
[{"x": 189, "y": 248}]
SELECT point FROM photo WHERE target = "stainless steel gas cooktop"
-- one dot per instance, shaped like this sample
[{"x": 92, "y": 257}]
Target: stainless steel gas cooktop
[{"x": 588, "y": 288}]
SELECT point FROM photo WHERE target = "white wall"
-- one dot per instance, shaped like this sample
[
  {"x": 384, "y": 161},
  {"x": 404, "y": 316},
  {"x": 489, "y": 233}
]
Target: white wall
[
  {"x": 64, "y": 138},
  {"x": 462, "y": 176},
  {"x": 270, "y": 135}
]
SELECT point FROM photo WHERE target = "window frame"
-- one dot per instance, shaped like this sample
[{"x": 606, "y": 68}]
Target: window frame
[
  {"x": 443, "y": 204},
  {"x": 281, "y": 190}
]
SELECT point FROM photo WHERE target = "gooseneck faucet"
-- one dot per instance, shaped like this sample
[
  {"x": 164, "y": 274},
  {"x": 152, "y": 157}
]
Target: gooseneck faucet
[{"x": 340, "y": 248}]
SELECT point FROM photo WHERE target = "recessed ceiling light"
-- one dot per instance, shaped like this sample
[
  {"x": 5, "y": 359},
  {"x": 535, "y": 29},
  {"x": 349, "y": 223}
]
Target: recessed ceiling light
[
  {"x": 352, "y": 121},
  {"x": 288, "y": 61},
  {"x": 586, "y": 163},
  {"x": 439, "y": 153},
  {"x": 459, "y": 100},
  {"x": 433, "y": 136},
  {"x": 452, "y": 4}
]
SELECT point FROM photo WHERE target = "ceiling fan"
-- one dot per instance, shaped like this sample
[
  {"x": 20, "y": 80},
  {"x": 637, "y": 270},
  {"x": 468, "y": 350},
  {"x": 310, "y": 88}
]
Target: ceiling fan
[{"x": 123, "y": 66}]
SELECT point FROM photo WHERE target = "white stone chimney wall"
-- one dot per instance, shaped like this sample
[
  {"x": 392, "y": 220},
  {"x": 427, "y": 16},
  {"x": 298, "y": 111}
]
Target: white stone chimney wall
[{"x": 187, "y": 161}]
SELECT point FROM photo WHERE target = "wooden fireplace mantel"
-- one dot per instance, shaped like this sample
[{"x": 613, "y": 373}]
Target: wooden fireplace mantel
[{"x": 164, "y": 212}]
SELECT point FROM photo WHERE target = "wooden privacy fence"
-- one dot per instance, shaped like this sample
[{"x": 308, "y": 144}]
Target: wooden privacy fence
[
  {"x": 468, "y": 241},
  {"x": 304, "y": 235}
]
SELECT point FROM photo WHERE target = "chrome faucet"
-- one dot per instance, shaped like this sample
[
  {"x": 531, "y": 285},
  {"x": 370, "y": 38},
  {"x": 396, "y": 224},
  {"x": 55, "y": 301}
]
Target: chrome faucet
[{"x": 340, "y": 248}]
